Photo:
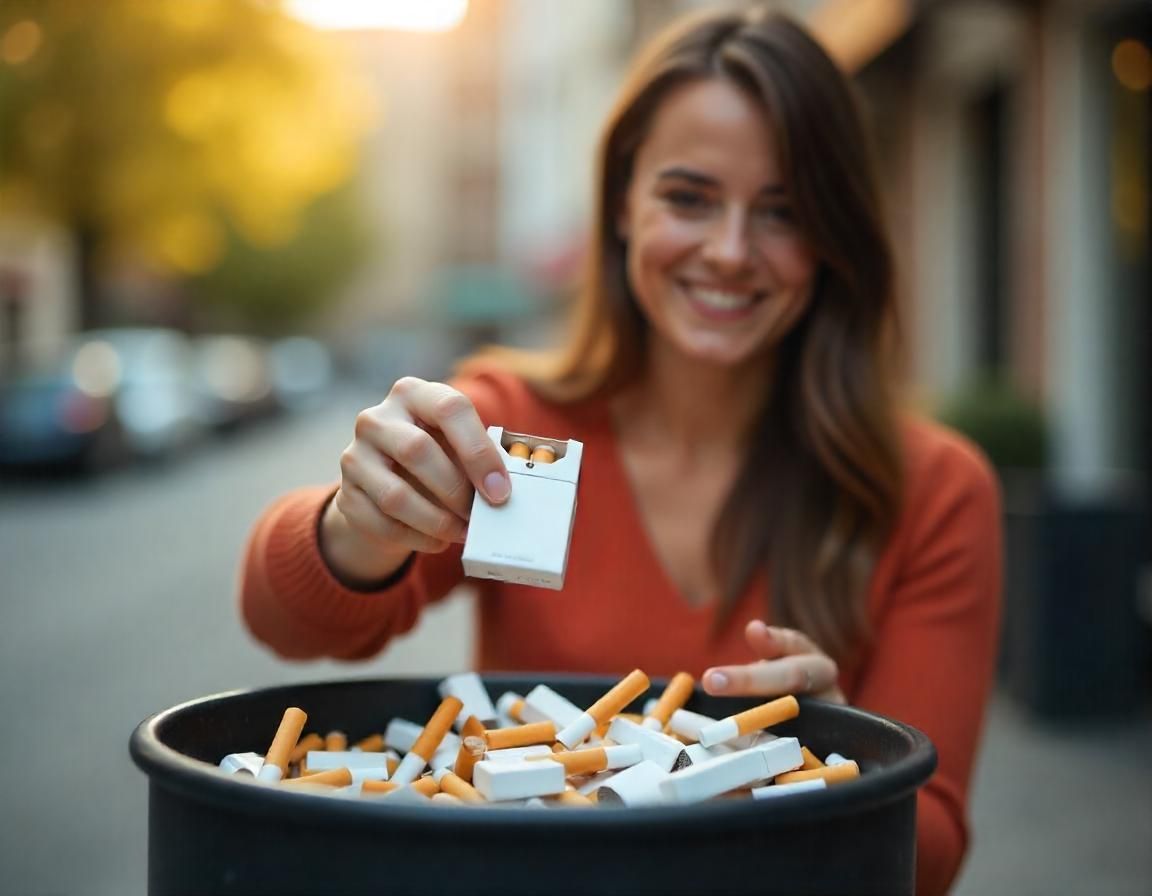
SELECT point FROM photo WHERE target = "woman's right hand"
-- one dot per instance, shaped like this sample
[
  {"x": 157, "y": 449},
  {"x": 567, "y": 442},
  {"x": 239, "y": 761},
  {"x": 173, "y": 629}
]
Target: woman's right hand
[{"x": 407, "y": 481}]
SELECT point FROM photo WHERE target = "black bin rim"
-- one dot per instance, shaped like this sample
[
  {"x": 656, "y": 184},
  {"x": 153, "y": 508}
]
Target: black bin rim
[{"x": 205, "y": 783}]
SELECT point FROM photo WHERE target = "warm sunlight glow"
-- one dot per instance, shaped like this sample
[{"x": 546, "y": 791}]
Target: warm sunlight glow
[{"x": 402, "y": 15}]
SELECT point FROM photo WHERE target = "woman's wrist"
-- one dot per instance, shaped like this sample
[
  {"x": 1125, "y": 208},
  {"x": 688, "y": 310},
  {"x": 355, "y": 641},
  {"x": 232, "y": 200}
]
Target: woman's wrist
[{"x": 357, "y": 562}]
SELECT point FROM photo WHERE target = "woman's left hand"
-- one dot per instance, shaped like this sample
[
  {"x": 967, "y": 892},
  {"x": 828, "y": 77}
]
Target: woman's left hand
[{"x": 790, "y": 664}]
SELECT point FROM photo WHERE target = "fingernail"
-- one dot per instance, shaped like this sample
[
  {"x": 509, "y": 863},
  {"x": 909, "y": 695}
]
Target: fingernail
[
  {"x": 717, "y": 681},
  {"x": 496, "y": 487}
]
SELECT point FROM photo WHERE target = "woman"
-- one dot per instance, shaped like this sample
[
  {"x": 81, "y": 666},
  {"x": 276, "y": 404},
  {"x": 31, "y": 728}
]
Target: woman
[{"x": 744, "y": 459}]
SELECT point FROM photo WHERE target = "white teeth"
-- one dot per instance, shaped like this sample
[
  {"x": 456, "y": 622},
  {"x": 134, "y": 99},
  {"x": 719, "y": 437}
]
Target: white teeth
[{"x": 723, "y": 301}]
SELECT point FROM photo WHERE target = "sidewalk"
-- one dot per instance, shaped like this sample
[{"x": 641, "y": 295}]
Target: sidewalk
[{"x": 1060, "y": 809}]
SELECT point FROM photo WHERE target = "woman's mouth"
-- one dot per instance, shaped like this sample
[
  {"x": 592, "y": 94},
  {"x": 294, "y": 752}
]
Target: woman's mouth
[{"x": 721, "y": 304}]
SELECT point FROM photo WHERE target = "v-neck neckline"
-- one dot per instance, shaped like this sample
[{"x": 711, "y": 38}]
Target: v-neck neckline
[{"x": 625, "y": 485}]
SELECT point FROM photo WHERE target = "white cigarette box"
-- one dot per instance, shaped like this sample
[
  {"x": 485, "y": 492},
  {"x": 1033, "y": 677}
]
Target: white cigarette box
[
  {"x": 637, "y": 785},
  {"x": 517, "y": 780},
  {"x": 525, "y": 540}
]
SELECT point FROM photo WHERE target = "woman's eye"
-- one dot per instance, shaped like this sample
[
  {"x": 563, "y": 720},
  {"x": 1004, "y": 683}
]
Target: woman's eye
[
  {"x": 776, "y": 213},
  {"x": 686, "y": 200}
]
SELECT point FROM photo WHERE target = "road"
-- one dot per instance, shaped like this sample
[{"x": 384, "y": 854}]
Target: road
[{"x": 117, "y": 600}]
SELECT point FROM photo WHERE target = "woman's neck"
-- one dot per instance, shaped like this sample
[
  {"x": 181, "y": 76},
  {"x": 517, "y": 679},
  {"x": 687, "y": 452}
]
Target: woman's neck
[{"x": 702, "y": 409}]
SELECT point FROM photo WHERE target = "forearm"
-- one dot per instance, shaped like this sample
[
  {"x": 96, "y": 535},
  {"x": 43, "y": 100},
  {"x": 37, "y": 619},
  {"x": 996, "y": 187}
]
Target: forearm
[{"x": 292, "y": 603}]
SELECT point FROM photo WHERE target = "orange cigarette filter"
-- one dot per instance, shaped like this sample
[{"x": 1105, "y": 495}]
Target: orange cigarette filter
[
  {"x": 308, "y": 742},
  {"x": 578, "y": 762},
  {"x": 333, "y": 777},
  {"x": 832, "y": 774},
  {"x": 766, "y": 714},
  {"x": 543, "y": 454},
  {"x": 426, "y": 785},
  {"x": 521, "y": 735},
  {"x": 628, "y": 689},
  {"x": 287, "y": 736},
  {"x": 674, "y": 697},
  {"x": 574, "y": 798},
  {"x": 392, "y": 763},
  {"x": 471, "y": 751},
  {"x": 373, "y": 743},
  {"x": 460, "y": 789},
  {"x": 336, "y": 741},
  {"x": 437, "y": 727},
  {"x": 446, "y": 799},
  {"x": 811, "y": 760},
  {"x": 520, "y": 449},
  {"x": 473, "y": 727},
  {"x": 516, "y": 710}
]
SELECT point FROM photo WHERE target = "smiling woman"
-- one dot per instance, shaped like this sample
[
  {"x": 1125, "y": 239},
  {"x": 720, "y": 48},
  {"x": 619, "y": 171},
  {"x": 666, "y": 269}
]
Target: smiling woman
[
  {"x": 755, "y": 508},
  {"x": 401, "y": 15}
]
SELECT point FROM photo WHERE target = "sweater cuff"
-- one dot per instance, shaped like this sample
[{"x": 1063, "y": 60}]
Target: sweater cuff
[{"x": 297, "y": 572}]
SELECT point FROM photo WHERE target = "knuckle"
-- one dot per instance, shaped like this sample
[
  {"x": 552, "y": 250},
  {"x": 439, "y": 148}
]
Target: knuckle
[
  {"x": 366, "y": 423},
  {"x": 349, "y": 463},
  {"x": 392, "y": 496},
  {"x": 405, "y": 386},
  {"x": 451, "y": 403},
  {"x": 414, "y": 448}
]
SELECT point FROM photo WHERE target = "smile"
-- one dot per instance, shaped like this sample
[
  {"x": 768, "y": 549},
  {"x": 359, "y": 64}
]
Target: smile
[{"x": 721, "y": 302}]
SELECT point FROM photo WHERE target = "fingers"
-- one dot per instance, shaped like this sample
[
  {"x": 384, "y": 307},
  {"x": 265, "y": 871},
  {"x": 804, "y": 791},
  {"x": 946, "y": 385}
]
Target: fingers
[
  {"x": 396, "y": 508},
  {"x": 807, "y": 674},
  {"x": 416, "y": 454},
  {"x": 361, "y": 512},
  {"x": 770, "y": 642},
  {"x": 451, "y": 412},
  {"x": 791, "y": 663}
]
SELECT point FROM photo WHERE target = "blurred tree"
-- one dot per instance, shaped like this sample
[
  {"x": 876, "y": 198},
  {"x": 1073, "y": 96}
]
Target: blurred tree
[
  {"x": 185, "y": 134},
  {"x": 276, "y": 287}
]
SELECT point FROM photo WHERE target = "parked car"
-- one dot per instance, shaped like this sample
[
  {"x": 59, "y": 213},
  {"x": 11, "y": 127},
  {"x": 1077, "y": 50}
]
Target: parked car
[
  {"x": 233, "y": 380},
  {"x": 110, "y": 395},
  {"x": 48, "y": 419}
]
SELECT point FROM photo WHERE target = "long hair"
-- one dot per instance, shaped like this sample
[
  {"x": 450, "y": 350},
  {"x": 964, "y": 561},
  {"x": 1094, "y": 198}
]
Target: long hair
[{"x": 821, "y": 485}]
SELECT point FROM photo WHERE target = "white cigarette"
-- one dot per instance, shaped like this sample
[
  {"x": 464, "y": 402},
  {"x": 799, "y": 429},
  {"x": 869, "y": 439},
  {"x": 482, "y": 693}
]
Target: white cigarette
[
  {"x": 576, "y": 732},
  {"x": 242, "y": 763},
  {"x": 771, "y": 791},
  {"x": 667, "y": 752}
]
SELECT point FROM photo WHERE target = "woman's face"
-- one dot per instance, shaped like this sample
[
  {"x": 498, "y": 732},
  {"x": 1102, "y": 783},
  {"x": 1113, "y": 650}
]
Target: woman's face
[{"x": 714, "y": 258}]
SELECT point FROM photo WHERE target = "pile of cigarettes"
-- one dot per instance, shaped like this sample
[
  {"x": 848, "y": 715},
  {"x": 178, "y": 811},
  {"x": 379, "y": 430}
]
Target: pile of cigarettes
[{"x": 542, "y": 750}]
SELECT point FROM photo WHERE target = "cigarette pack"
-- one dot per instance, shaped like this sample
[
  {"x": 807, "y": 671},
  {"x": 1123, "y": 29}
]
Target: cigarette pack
[{"x": 525, "y": 540}]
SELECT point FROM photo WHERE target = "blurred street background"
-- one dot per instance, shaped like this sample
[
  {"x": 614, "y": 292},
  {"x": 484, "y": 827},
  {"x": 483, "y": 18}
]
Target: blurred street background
[{"x": 228, "y": 225}]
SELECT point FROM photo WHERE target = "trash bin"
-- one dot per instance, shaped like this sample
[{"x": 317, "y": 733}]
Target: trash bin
[{"x": 212, "y": 834}]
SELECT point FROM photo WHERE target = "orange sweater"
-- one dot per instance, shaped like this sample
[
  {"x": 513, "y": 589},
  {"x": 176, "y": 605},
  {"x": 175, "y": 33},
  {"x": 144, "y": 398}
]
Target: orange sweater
[{"x": 933, "y": 601}]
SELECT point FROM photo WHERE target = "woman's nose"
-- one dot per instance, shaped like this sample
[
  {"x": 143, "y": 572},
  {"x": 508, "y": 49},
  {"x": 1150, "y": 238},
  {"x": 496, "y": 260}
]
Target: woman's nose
[{"x": 727, "y": 246}]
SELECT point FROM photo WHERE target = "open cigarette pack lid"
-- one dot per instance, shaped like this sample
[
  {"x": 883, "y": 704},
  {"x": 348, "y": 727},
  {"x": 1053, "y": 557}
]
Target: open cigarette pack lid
[
  {"x": 525, "y": 540},
  {"x": 213, "y": 832}
]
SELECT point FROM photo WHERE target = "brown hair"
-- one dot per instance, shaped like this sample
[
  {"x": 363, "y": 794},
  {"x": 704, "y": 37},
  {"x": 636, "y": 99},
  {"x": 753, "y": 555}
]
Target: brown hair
[{"x": 821, "y": 486}]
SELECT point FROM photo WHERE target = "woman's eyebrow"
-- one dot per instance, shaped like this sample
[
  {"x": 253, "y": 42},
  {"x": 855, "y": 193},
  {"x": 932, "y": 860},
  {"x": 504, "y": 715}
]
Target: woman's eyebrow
[{"x": 706, "y": 180}]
